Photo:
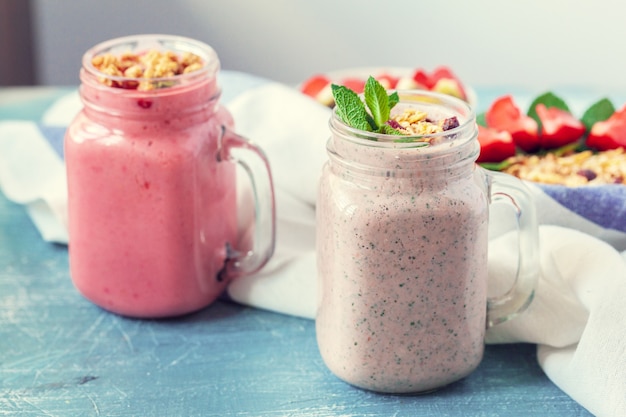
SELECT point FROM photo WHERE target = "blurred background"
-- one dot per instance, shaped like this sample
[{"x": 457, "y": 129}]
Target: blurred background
[{"x": 536, "y": 44}]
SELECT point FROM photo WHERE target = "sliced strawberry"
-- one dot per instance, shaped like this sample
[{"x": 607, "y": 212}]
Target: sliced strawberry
[
  {"x": 442, "y": 73},
  {"x": 442, "y": 80},
  {"x": 495, "y": 145},
  {"x": 558, "y": 127},
  {"x": 388, "y": 81},
  {"x": 422, "y": 78},
  {"x": 504, "y": 114},
  {"x": 313, "y": 85},
  {"x": 408, "y": 83},
  {"x": 445, "y": 73},
  {"x": 451, "y": 87},
  {"x": 326, "y": 97},
  {"x": 610, "y": 133},
  {"x": 355, "y": 84}
]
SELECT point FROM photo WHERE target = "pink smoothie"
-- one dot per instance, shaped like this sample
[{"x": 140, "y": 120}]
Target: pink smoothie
[
  {"x": 402, "y": 262},
  {"x": 151, "y": 211}
]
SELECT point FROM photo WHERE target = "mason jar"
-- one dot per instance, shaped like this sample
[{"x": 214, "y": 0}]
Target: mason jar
[
  {"x": 152, "y": 191},
  {"x": 402, "y": 236}
]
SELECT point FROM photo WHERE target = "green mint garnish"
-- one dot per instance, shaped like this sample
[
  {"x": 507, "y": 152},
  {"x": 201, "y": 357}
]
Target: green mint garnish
[
  {"x": 350, "y": 108},
  {"x": 566, "y": 149},
  {"x": 481, "y": 119},
  {"x": 377, "y": 101},
  {"x": 598, "y": 112},
  {"x": 388, "y": 130},
  {"x": 393, "y": 100},
  {"x": 353, "y": 112},
  {"x": 548, "y": 99},
  {"x": 496, "y": 166}
]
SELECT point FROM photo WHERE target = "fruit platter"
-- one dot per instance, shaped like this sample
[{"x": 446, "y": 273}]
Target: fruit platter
[{"x": 441, "y": 79}]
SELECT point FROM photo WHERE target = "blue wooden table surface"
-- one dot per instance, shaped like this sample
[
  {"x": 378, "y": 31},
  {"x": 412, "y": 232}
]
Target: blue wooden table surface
[{"x": 60, "y": 355}]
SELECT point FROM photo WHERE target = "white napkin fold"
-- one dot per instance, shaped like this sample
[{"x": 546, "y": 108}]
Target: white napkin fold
[
  {"x": 32, "y": 174},
  {"x": 578, "y": 317},
  {"x": 295, "y": 145}
]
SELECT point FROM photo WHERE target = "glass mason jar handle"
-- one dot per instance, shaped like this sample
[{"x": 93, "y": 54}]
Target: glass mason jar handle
[
  {"x": 512, "y": 191},
  {"x": 248, "y": 262}
]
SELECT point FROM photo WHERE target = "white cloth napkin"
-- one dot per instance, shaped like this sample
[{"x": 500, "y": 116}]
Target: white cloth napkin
[
  {"x": 578, "y": 316},
  {"x": 33, "y": 174}
]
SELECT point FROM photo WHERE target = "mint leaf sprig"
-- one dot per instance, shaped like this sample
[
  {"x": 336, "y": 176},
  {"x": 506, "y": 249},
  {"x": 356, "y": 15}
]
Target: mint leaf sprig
[
  {"x": 599, "y": 111},
  {"x": 353, "y": 112}
]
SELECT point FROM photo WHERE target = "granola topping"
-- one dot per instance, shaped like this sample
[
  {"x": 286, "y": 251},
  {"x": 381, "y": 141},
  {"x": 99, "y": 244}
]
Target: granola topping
[
  {"x": 144, "y": 67},
  {"x": 582, "y": 168},
  {"x": 416, "y": 123}
]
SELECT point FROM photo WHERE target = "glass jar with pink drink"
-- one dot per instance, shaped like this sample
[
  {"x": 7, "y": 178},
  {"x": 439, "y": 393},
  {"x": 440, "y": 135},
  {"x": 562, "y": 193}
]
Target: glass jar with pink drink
[
  {"x": 402, "y": 237},
  {"x": 152, "y": 191}
]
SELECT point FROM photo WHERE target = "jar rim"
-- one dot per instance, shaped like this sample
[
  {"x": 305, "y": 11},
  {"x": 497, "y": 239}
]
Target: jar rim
[
  {"x": 463, "y": 111},
  {"x": 163, "y": 42}
]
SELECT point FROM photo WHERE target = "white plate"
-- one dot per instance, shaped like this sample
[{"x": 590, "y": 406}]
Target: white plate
[{"x": 402, "y": 72}]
